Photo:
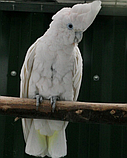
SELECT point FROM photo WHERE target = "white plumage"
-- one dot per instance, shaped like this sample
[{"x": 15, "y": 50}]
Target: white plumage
[{"x": 53, "y": 67}]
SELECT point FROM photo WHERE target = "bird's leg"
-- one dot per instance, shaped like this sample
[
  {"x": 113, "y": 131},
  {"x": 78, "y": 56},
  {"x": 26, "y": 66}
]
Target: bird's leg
[
  {"x": 53, "y": 100},
  {"x": 39, "y": 100}
]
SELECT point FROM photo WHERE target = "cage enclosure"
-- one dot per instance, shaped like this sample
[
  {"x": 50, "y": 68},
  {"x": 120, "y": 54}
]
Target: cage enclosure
[{"x": 104, "y": 52}]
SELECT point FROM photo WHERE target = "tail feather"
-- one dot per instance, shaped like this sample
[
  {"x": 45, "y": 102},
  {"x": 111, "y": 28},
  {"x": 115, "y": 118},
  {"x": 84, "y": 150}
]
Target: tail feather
[
  {"x": 39, "y": 144},
  {"x": 57, "y": 144},
  {"x": 26, "y": 124},
  {"x": 35, "y": 143}
]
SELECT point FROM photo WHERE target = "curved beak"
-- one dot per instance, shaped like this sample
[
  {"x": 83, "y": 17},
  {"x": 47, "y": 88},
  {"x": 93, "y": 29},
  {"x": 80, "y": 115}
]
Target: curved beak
[{"x": 78, "y": 36}]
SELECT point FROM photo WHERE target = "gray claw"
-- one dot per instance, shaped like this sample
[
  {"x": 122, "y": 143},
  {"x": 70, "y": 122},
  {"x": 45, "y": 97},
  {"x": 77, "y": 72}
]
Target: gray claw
[
  {"x": 39, "y": 100},
  {"x": 53, "y": 100}
]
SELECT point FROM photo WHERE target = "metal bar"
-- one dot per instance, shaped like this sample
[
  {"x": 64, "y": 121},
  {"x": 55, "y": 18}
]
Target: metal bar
[
  {"x": 32, "y": 6},
  {"x": 52, "y": 7}
]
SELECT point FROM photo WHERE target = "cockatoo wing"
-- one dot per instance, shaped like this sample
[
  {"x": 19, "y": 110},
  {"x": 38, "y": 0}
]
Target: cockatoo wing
[
  {"x": 77, "y": 73},
  {"x": 26, "y": 71},
  {"x": 24, "y": 84}
]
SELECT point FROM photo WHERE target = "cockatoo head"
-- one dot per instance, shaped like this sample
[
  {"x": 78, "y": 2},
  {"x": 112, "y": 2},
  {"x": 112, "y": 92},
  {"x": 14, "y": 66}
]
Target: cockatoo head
[{"x": 70, "y": 23}]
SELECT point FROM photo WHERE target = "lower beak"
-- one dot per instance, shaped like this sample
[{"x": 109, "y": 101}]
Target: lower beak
[{"x": 78, "y": 37}]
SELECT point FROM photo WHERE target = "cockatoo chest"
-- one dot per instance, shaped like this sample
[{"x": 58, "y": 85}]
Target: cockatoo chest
[{"x": 52, "y": 75}]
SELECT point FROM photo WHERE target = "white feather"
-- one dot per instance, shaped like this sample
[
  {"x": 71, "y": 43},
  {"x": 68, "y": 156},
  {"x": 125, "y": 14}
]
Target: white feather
[
  {"x": 57, "y": 144},
  {"x": 36, "y": 143},
  {"x": 53, "y": 67},
  {"x": 77, "y": 73}
]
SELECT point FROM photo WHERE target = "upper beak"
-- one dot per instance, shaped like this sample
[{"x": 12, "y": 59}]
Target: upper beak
[{"x": 78, "y": 36}]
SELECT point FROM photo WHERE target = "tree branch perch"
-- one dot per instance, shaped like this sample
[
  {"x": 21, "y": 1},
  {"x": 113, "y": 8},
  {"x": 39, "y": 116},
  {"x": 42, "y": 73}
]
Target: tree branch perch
[{"x": 110, "y": 113}]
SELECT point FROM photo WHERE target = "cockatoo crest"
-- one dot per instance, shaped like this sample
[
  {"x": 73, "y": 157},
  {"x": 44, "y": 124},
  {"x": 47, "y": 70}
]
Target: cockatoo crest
[
  {"x": 70, "y": 23},
  {"x": 80, "y": 15}
]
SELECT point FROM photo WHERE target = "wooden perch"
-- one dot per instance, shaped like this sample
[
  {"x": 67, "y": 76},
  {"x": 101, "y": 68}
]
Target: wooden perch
[{"x": 111, "y": 113}]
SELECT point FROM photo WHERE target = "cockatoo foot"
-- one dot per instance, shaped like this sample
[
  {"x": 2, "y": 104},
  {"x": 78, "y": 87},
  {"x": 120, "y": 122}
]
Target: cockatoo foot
[
  {"x": 53, "y": 100},
  {"x": 39, "y": 100}
]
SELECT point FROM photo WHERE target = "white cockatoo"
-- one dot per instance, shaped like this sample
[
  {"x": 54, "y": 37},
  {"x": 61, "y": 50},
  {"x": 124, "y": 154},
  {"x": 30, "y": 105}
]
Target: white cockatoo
[{"x": 52, "y": 69}]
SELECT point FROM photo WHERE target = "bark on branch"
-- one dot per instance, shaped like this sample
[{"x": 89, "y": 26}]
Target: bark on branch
[{"x": 111, "y": 113}]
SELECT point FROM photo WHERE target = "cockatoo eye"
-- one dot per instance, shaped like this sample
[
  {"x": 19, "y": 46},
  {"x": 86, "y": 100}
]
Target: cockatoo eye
[{"x": 70, "y": 26}]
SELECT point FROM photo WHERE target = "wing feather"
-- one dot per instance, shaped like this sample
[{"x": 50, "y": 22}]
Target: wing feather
[
  {"x": 77, "y": 73},
  {"x": 26, "y": 71},
  {"x": 24, "y": 84}
]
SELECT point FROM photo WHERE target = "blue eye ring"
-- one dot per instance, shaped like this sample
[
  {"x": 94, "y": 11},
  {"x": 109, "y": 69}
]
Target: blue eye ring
[{"x": 70, "y": 26}]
